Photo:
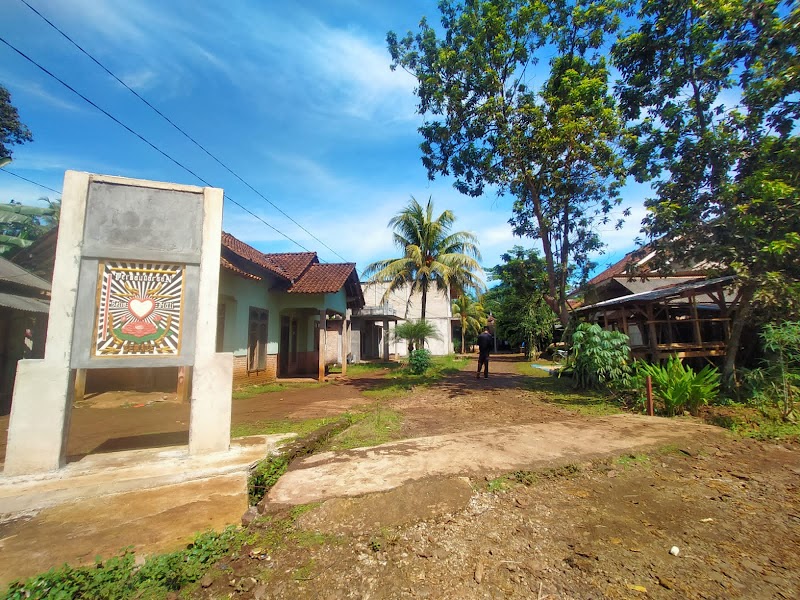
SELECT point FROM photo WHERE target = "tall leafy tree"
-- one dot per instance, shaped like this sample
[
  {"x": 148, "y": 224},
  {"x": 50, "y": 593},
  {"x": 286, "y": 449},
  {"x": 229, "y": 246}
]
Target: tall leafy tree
[
  {"x": 12, "y": 130},
  {"x": 432, "y": 254},
  {"x": 517, "y": 301},
  {"x": 491, "y": 122},
  {"x": 471, "y": 316},
  {"x": 712, "y": 89}
]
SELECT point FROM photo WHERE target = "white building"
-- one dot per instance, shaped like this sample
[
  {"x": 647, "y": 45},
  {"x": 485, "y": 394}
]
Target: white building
[{"x": 373, "y": 326}]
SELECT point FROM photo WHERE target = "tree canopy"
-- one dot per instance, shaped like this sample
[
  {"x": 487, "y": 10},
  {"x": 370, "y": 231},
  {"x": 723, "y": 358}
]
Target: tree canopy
[
  {"x": 432, "y": 254},
  {"x": 21, "y": 225},
  {"x": 489, "y": 123},
  {"x": 517, "y": 301},
  {"x": 471, "y": 316},
  {"x": 712, "y": 90},
  {"x": 12, "y": 130}
]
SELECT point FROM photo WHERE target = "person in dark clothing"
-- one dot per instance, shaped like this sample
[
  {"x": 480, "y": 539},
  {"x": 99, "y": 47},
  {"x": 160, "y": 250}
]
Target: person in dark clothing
[{"x": 484, "y": 347}]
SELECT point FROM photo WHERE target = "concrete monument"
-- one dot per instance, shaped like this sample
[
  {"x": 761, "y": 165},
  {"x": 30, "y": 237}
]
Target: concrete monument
[{"x": 135, "y": 286}]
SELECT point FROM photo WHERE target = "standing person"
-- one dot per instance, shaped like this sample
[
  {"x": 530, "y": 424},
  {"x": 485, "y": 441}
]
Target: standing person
[{"x": 484, "y": 347}]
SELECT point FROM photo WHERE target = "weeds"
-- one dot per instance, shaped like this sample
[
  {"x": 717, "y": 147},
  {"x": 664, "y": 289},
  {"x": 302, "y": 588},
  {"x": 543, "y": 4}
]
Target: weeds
[{"x": 271, "y": 388}]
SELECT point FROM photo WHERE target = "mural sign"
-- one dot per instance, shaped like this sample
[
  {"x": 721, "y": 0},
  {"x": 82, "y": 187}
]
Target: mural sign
[{"x": 139, "y": 309}]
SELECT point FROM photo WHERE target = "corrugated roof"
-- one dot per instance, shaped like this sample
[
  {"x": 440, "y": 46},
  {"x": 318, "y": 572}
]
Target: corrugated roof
[
  {"x": 323, "y": 278},
  {"x": 24, "y": 303},
  {"x": 662, "y": 294},
  {"x": 17, "y": 275}
]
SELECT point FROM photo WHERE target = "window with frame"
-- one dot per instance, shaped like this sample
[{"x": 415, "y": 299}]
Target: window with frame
[{"x": 257, "y": 339}]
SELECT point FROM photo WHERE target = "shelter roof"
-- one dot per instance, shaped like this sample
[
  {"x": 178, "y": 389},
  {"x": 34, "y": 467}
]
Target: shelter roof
[
  {"x": 24, "y": 303},
  {"x": 294, "y": 264},
  {"x": 252, "y": 255},
  {"x": 673, "y": 291},
  {"x": 11, "y": 273},
  {"x": 323, "y": 278}
]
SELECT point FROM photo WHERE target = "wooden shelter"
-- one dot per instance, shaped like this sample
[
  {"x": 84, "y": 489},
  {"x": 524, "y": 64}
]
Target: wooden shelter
[{"x": 688, "y": 320}]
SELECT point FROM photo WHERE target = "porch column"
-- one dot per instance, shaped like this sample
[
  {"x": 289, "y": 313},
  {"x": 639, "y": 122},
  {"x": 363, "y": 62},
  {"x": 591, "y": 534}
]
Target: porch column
[
  {"x": 346, "y": 339},
  {"x": 322, "y": 340},
  {"x": 386, "y": 340}
]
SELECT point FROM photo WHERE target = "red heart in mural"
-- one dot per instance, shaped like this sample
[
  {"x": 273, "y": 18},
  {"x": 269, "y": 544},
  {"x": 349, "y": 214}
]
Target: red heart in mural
[{"x": 141, "y": 307}]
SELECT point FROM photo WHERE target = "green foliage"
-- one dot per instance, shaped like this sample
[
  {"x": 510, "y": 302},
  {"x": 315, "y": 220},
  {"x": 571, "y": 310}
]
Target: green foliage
[
  {"x": 599, "y": 358},
  {"x": 273, "y": 427},
  {"x": 419, "y": 361},
  {"x": 416, "y": 332},
  {"x": 471, "y": 316},
  {"x": 21, "y": 225},
  {"x": 118, "y": 577},
  {"x": 370, "y": 428},
  {"x": 269, "y": 388},
  {"x": 518, "y": 303},
  {"x": 712, "y": 91},
  {"x": 551, "y": 144},
  {"x": 777, "y": 381},
  {"x": 432, "y": 255},
  {"x": 265, "y": 475},
  {"x": 680, "y": 388},
  {"x": 12, "y": 130}
]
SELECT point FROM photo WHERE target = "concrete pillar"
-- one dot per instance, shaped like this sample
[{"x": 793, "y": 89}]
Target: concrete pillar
[
  {"x": 322, "y": 342},
  {"x": 212, "y": 376},
  {"x": 386, "y": 340},
  {"x": 42, "y": 399}
]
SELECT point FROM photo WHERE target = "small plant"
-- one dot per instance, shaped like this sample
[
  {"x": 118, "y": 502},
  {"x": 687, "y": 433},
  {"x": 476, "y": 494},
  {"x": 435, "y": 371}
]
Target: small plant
[
  {"x": 599, "y": 358},
  {"x": 777, "y": 381},
  {"x": 680, "y": 388},
  {"x": 416, "y": 332},
  {"x": 419, "y": 361}
]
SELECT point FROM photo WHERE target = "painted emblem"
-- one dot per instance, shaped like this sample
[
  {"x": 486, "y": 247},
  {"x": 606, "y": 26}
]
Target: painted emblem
[{"x": 139, "y": 309}]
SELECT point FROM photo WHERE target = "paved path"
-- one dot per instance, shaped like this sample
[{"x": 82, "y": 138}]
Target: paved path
[{"x": 487, "y": 451}]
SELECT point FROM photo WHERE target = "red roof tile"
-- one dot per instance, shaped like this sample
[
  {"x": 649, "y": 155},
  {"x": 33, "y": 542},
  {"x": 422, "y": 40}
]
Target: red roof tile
[
  {"x": 323, "y": 278},
  {"x": 293, "y": 264},
  {"x": 239, "y": 248},
  {"x": 226, "y": 264}
]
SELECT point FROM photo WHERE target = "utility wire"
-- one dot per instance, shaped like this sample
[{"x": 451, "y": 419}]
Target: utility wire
[
  {"x": 30, "y": 181},
  {"x": 168, "y": 120},
  {"x": 144, "y": 139}
]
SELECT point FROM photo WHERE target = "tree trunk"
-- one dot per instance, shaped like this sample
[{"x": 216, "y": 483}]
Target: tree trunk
[
  {"x": 422, "y": 310},
  {"x": 463, "y": 328},
  {"x": 737, "y": 327}
]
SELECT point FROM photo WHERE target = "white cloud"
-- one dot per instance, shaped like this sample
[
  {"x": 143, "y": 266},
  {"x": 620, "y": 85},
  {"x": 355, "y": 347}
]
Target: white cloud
[{"x": 38, "y": 92}]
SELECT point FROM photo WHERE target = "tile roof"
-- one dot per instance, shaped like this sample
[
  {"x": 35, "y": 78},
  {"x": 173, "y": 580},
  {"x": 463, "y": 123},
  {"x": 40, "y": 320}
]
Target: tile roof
[
  {"x": 226, "y": 264},
  {"x": 249, "y": 253},
  {"x": 294, "y": 264},
  {"x": 323, "y": 278}
]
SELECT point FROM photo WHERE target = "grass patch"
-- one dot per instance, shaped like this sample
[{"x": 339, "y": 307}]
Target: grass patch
[
  {"x": 757, "y": 423},
  {"x": 561, "y": 392},
  {"x": 529, "y": 478},
  {"x": 499, "y": 485},
  {"x": 271, "y": 388},
  {"x": 633, "y": 460},
  {"x": 119, "y": 577},
  {"x": 366, "y": 368},
  {"x": 369, "y": 428},
  {"x": 401, "y": 381},
  {"x": 283, "y": 426}
]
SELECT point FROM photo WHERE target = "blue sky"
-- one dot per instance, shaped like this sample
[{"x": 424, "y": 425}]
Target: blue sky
[{"x": 296, "y": 97}]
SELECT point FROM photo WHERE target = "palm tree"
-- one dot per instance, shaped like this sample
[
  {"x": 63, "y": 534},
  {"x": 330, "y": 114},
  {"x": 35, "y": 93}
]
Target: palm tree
[
  {"x": 471, "y": 314},
  {"x": 416, "y": 332},
  {"x": 431, "y": 254}
]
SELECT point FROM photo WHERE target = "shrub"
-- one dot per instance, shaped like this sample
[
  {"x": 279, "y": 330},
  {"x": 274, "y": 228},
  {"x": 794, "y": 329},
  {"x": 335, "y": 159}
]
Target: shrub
[
  {"x": 777, "y": 381},
  {"x": 598, "y": 357},
  {"x": 679, "y": 387},
  {"x": 419, "y": 361}
]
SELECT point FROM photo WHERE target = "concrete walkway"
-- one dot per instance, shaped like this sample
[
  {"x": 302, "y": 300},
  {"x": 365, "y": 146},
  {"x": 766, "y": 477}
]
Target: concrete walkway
[
  {"x": 154, "y": 500},
  {"x": 488, "y": 451}
]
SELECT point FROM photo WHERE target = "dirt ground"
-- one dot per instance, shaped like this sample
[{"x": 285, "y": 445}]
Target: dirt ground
[
  {"x": 600, "y": 528},
  {"x": 589, "y": 528}
]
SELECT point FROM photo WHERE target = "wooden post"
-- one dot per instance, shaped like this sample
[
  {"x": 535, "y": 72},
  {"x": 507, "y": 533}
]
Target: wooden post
[
  {"x": 80, "y": 384},
  {"x": 346, "y": 343},
  {"x": 386, "y": 340},
  {"x": 184, "y": 390},
  {"x": 698, "y": 336},
  {"x": 322, "y": 326},
  {"x": 652, "y": 333},
  {"x": 649, "y": 382}
]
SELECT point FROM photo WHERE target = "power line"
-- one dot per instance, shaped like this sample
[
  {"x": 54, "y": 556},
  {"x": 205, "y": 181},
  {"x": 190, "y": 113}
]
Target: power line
[
  {"x": 168, "y": 120},
  {"x": 145, "y": 140},
  {"x": 30, "y": 181}
]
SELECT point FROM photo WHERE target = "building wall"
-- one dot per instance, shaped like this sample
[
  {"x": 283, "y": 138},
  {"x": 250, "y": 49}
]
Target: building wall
[{"x": 438, "y": 313}]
